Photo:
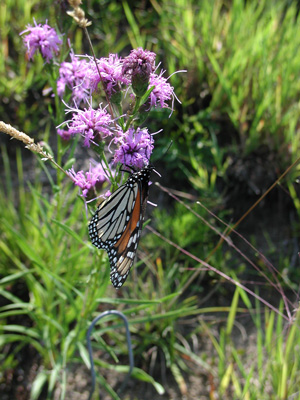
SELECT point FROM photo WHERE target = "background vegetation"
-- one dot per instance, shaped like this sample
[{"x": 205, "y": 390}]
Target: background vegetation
[{"x": 232, "y": 319}]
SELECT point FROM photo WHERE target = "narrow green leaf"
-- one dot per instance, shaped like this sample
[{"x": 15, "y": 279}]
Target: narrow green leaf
[
  {"x": 21, "y": 329},
  {"x": 15, "y": 276},
  {"x": 195, "y": 358},
  {"x": 226, "y": 378},
  {"x": 72, "y": 233},
  {"x": 84, "y": 354},
  {"x": 127, "y": 301},
  {"x": 233, "y": 310},
  {"x": 38, "y": 385},
  {"x": 10, "y": 296},
  {"x": 54, "y": 377},
  {"x": 69, "y": 164},
  {"x": 143, "y": 376}
]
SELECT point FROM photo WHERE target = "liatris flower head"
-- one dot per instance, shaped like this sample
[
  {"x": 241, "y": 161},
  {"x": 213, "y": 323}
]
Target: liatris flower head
[
  {"x": 135, "y": 148},
  {"x": 111, "y": 74},
  {"x": 73, "y": 75},
  {"x": 138, "y": 66},
  {"x": 89, "y": 181},
  {"x": 64, "y": 134},
  {"x": 162, "y": 91},
  {"x": 93, "y": 125},
  {"x": 41, "y": 38}
]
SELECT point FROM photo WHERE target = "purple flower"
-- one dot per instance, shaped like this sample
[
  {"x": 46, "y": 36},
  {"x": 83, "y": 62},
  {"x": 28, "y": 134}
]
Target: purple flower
[
  {"x": 73, "y": 75},
  {"x": 93, "y": 125},
  {"x": 88, "y": 181},
  {"x": 139, "y": 60},
  {"x": 135, "y": 148},
  {"x": 43, "y": 38},
  {"x": 64, "y": 134},
  {"x": 138, "y": 66},
  {"x": 111, "y": 74},
  {"x": 162, "y": 91}
]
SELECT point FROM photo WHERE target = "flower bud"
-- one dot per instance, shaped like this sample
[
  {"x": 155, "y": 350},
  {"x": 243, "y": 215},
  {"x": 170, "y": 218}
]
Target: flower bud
[{"x": 138, "y": 66}]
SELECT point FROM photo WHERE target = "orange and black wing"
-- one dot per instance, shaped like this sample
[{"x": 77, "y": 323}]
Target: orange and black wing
[{"x": 117, "y": 224}]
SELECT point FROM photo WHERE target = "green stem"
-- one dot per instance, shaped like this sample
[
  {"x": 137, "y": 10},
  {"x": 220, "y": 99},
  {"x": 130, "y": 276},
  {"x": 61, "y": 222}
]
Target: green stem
[
  {"x": 135, "y": 110},
  {"x": 88, "y": 301},
  {"x": 121, "y": 119}
]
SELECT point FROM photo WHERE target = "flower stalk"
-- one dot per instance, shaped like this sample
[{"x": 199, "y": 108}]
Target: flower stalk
[{"x": 30, "y": 145}]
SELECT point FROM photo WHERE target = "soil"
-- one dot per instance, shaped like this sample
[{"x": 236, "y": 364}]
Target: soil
[{"x": 200, "y": 383}]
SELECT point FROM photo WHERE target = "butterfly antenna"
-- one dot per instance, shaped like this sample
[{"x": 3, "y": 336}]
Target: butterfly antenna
[{"x": 168, "y": 148}]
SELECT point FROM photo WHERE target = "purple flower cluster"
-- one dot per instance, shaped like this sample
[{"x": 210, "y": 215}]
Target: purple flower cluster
[
  {"x": 64, "y": 134},
  {"x": 111, "y": 73},
  {"x": 138, "y": 66},
  {"x": 41, "y": 38},
  {"x": 88, "y": 181},
  {"x": 134, "y": 148},
  {"x": 136, "y": 70},
  {"x": 162, "y": 91},
  {"x": 74, "y": 75},
  {"x": 139, "y": 61},
  {"x": 133, "y": 75},
  {"x": 93, "y": 125}
]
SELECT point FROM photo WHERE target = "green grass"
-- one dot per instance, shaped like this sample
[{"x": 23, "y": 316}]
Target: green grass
[
  {"x": 246, "y": 57},
  {"x": 269, "y": 370},
  {"x": 61, "y": 274},
  {"x": 46, "y": 257}
]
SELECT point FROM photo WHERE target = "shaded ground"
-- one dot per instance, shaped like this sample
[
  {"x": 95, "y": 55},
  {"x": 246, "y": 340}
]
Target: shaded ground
[{"x": 200, "y": 383}]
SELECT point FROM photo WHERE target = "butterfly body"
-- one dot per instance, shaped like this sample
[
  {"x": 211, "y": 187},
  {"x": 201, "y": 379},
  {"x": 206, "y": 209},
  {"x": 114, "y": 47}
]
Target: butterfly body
[{"x": 117, "y": 224}]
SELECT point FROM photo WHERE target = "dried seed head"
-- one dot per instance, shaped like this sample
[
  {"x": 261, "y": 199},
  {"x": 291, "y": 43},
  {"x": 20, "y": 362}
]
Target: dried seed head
[
  {"x": 15, "y": 134},
  {"x": 78, "y": 14}
]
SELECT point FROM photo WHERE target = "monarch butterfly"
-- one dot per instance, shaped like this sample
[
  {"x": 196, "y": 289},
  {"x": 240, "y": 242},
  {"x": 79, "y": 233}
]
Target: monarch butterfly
[{"x": 117, "y": 224}]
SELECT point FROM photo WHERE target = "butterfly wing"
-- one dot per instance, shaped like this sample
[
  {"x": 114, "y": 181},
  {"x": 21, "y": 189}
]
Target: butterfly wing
[
  {"x": 122, "y": 254},
  {"x": 117, "y": 224},
  {"x": 111, "y": 217}
]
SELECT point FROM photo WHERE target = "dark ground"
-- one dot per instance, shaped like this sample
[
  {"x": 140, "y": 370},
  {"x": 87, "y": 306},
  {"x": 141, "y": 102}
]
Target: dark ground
[{"x": 200, "y": 383}]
